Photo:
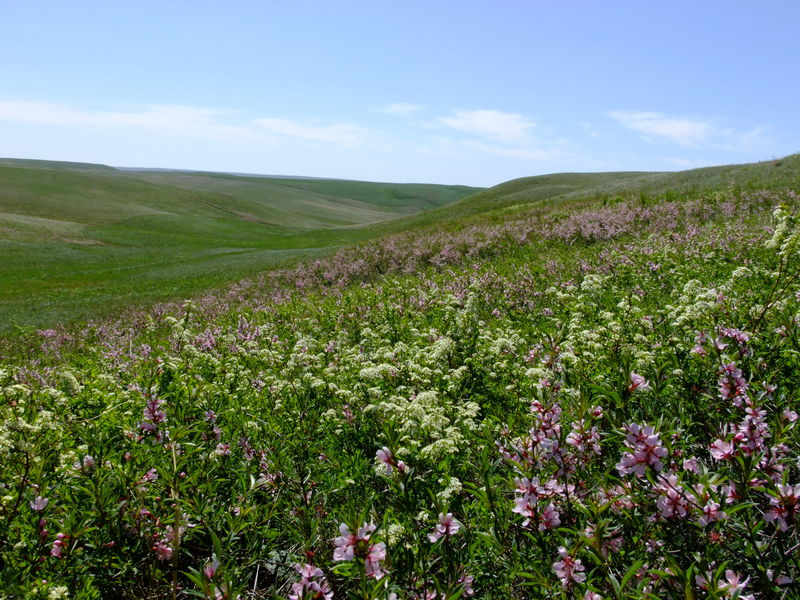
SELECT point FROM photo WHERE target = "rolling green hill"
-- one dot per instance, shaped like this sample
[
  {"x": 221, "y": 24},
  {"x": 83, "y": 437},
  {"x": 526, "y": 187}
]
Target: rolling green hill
[
  {"x": 522, "y": 193},
  {"x": 80, "y": 239}
]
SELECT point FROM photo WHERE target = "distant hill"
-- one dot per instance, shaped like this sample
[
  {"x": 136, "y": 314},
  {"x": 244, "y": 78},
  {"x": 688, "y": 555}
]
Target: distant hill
[
  {"x": 776, "y": 174},
  {"x": 79, "y": 238}
]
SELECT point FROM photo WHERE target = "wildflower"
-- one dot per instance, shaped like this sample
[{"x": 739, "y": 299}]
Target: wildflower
[
  {"x": 734, "y": 586},
  {"x": 711, "y": 513},
  {"x": 58, "y": 545},
  {"x": 466, "y": 581},
  {"x": 784, "y": 507},
  {"x": 211, "y": 568},
  {"x": 638, "y": 382},
  {"x": 447, "y": 527},
  {"x": 646, "y": 450},
  {"x": 162, "y": 549},
  {"x": 722, "y": 450},
  {"x": 385, "y": 456},
  {"x": 569, "y": 570},
  {"x": 733, "y": 385},
  {"x": 39, "y": 504},
  {"x": 222, "y": 449},
  {"x": 312, "y": 582},
  {"x": 350, "y": 546}
]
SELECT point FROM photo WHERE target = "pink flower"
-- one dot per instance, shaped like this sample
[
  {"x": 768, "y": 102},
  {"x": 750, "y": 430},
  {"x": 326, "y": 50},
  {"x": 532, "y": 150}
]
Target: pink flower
[
  {"x": 638, "y": 382},
  {"x": 711, "y": 513},
  {"x": 358, "y": 545},
  {"x": 312, "y": 583},
  {"x": 722, "y": 450},
  {"x": 211, "y": 568},
  {"x": 372, "y": 563},
  {"x": 550, "y": 518},
  {"x": 569, "y": 570},
  {"x": 466, "y": 582},
  {"x": 734, "y": 586},
  {"x": 447, "y": 527},
  {"x": 223, "y": 449},
  {"x": 646, "y": 449},
  {"x": 39, "y": 503},
  {"x": 162, "y": 549},
  {"x": 785, "y": 507},
  {"x": 58, "y": 545},
  {"x": 385, "y": 456}
]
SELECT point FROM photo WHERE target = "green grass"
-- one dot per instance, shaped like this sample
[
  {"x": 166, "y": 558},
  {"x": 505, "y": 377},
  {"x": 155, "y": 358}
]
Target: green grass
[
  {"x": 525, "y": 192},
  {"x": 80, "y": 240}
]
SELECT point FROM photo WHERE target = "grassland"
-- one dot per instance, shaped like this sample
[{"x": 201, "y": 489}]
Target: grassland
[
  {"x": 80, "y": 240},
  {"x": 556, "y": 398}
]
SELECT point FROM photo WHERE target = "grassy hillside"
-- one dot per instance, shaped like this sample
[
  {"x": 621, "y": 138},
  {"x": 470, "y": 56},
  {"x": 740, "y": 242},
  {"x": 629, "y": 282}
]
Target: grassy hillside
[
  {"x": 522, "y": 193},
  {"x": 80, "y": 239},
  {"x": 595, "y": 398}
]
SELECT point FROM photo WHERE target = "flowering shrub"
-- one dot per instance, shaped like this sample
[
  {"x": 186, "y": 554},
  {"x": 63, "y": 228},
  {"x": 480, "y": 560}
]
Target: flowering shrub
[{"x": 578, "y": 401}]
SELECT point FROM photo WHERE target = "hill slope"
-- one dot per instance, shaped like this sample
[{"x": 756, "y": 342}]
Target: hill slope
[
  {"x": 79, "y": 239},
  {"x": 522, "y": 193}
]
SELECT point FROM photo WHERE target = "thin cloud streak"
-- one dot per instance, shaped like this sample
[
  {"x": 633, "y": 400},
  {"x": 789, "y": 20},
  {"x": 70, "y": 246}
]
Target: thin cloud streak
[
  {"x": 403, "y": 109},
  {"x": 693, "y": 133},
  {"x": 493, "y": 124},
  {"x": 186, "y": 121},
  {"x": 349, "y": 136}
]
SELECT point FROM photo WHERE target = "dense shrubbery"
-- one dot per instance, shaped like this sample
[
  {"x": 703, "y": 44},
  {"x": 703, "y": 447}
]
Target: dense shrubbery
[{"x": 596, "y": 402}]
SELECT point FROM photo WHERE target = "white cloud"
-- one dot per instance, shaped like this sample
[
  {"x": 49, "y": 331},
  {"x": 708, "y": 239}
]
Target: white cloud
[
  {"x": 166, "y": 119},
  {"x": 684, "y": 131},
  {"x": 402, "y": 109},
  {"x": 690, "y": 132},
  {"x": 349, "y": 136},
  {"x": 185, "y": 122},
  {"x": 493, "y": 124}
]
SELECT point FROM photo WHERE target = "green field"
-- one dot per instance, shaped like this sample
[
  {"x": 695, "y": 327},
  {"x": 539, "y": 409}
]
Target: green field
[
  {"x": 78, "y": 240},
  {"x": 81, "y": 240}
]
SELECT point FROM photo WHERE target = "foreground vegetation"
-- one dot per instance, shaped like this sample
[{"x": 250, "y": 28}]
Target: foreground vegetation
[{"x": 592, "y": 399}]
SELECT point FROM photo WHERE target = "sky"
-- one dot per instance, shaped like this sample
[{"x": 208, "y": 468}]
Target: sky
[{"x": 440, "y": 91}]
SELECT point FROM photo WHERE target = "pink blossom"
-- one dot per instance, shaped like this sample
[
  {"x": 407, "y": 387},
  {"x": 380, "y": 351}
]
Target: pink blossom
[
  {"x": 569, "y": 570},
  {"x": 466, "y": 582},
  {"x": 733, "y": 586},
  {"x": 372, "y": 563},
  {"x": 39, "y": 503},
  {"x": 783, "y": 508},
  {"x": 59, "y": 545},
  {"x": 222, "y": 449},
  {"x": 711, "y": 513},
  {"x": 448, "y": 526},
  {"x": 638, "y": 382},
  {"x": 646, "y": 449},
  {"x": 350, "y": 546},
  {"x": 385, "y": 456},
  {"x": 162, "y": 549},
  {"x": 722, "y": 450},
  {"x": 312, "y": 583},
  {"x": 211, "y": 568}
]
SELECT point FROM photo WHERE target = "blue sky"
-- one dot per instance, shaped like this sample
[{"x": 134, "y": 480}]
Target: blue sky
[{"x": 472, "y": 92}]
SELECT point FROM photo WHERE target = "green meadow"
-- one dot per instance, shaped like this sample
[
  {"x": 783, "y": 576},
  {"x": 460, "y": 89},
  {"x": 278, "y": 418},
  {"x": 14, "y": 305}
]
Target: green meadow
[
  {"x": 83, "y": 240},
  {"x": 79, "y": 240}
]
